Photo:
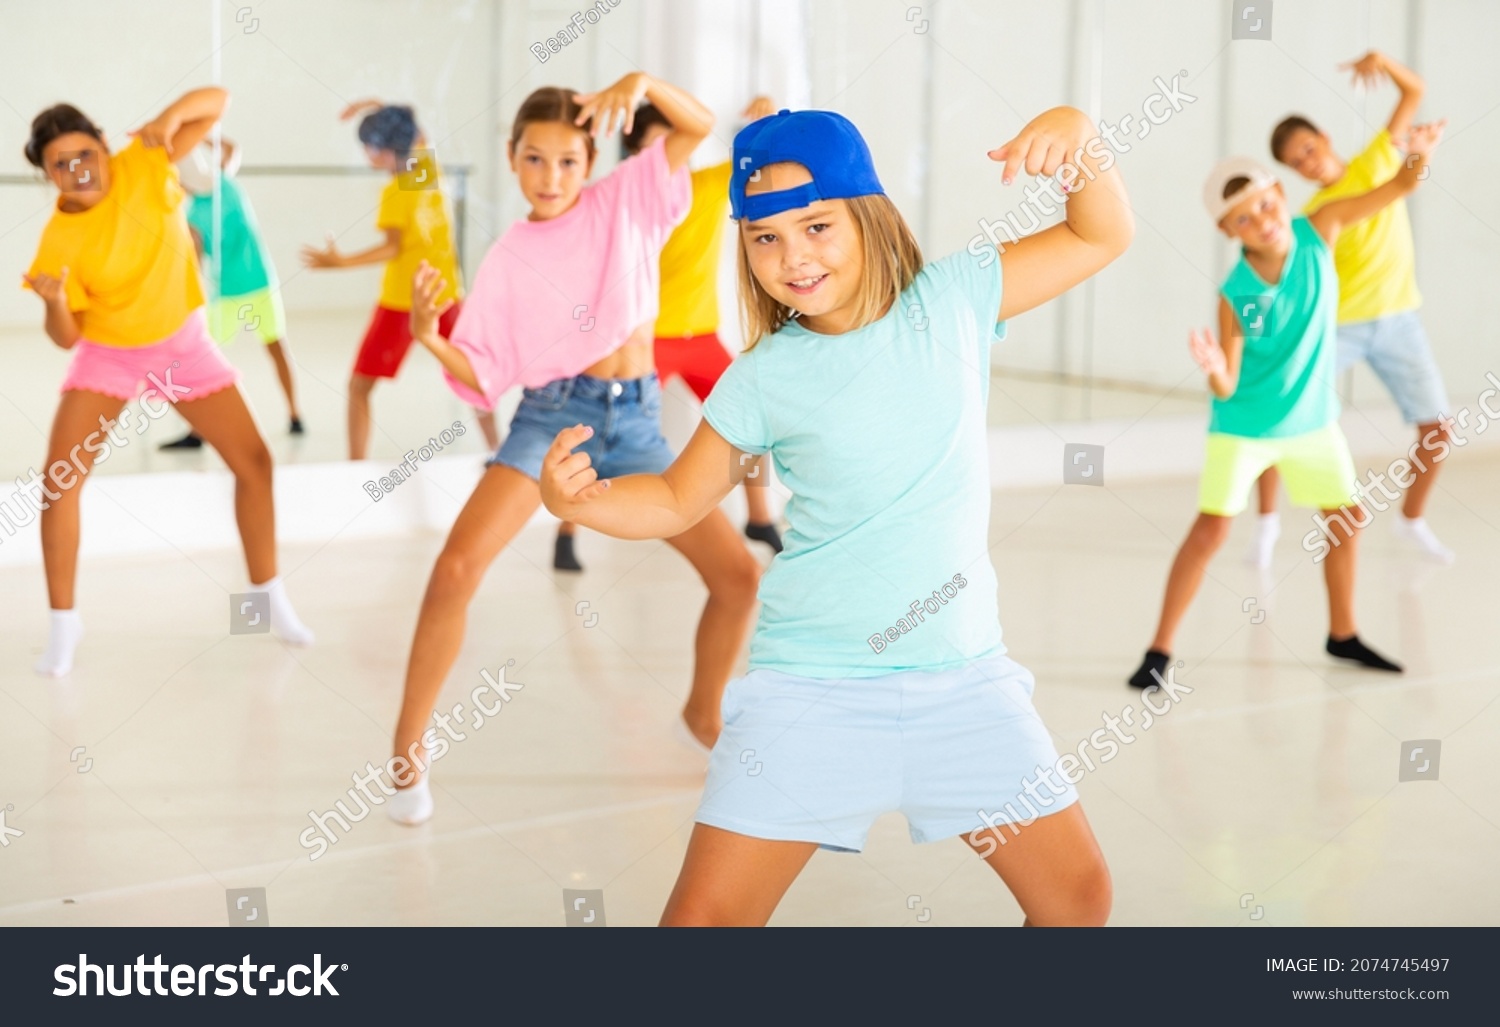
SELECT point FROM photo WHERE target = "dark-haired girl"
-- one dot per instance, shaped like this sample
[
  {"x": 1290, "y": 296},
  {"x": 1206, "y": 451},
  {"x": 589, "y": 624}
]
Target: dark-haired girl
[
  {"x": 414, "y": 217},
  {"x": 117, "y": 273},
  {"x": 564, "y": 304}
]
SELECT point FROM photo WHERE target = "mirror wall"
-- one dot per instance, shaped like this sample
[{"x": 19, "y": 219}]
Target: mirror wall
[{"x": 933, "y": 87}]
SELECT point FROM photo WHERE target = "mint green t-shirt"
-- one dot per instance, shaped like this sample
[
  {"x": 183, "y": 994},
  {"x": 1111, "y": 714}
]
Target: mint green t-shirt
[
  {"x": 245, "y": 267},
  {"x": 1287, "y": 373},
  {"x": 880, "y": 436}
]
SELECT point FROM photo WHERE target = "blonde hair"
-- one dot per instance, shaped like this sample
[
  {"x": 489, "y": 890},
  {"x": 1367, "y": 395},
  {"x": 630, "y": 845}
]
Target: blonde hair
[{"x": 892, "y": 259}]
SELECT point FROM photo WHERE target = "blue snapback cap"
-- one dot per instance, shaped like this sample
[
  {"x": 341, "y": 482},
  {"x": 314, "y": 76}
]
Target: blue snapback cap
[{"x": 826, "y": 144}]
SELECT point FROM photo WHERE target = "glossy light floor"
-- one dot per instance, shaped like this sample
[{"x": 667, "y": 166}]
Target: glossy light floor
[{"x": 179, "y": 761}]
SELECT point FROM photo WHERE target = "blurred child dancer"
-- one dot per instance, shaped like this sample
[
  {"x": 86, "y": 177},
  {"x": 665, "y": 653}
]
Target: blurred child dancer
[
  {"x": 564, "y": 304},
  {"x": 246, "y": 294},
  {"x": 1378, "y": 297},
  {"x": 687, "y": 328},
  {"x": 118, "y": 275},
  {"x": 878, "y": 679},
  {"x": 1275, "y": 403},
  {"x": 414, "y": 217}
]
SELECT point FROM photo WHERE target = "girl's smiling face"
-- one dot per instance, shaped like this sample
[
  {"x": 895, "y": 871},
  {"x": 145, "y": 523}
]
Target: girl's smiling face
[
  {"x": 811, "y": 258},
  {"x": 552, "y": 162},
  {"x": 78, "y": 164}
]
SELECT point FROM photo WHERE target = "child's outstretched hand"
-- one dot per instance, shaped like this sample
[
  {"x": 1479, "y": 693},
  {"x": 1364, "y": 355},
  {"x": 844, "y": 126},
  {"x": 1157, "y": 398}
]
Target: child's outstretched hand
[
  {"x": 1367, "y": 70},
  {"x": 618, "y": 102},
  {"x": 1423, "y": 139},
  {"x": 326, "y": 256},
  {"x": 1049, "y": 140},
  {"x": 51, "y": 290},
  {"x": 358, "y": 107},
  {"x": 760, "y": 107},
  {"x": 568, "y": 478},
  {"x": 159, "y": 131},
  {"x": 1207, "y": 352},
  {"x": 426, "y": 286}
]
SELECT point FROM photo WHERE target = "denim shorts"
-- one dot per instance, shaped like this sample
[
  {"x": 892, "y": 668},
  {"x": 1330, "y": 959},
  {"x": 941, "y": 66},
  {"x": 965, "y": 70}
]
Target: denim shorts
[
  {"x": 624, "y": 412},
  {"x": 818, "y": 760},
  {"x": 1397, "y": 350}
]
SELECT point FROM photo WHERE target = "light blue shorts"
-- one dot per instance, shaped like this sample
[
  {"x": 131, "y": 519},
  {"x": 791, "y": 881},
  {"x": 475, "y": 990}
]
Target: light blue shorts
[
  {"x": 818, "y": 760},
  {"x": 1398, "y": 352},
  {"x": 625, "y": 414}
]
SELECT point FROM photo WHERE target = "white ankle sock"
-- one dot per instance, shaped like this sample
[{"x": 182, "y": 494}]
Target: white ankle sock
[
  {"x": 62, "y": 639},
  {"x": 285, "y": 624},
  {"x": 1267, "y": 531},
  {"x": 410, "y": 806},
  {"x": 1416, "y": 534}
]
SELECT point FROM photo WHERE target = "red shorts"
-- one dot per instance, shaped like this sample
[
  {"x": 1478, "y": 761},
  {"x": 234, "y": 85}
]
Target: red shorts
[
  {"x": 389, "y": 337},
  {"x": 700, "y": 360}
]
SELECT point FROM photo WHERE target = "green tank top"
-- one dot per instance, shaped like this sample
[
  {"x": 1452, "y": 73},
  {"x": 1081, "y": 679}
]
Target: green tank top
[{"x": 1287, "y": 373}]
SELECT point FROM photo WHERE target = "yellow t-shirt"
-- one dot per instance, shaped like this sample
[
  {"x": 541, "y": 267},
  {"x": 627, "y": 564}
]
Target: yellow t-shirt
[
  {"x": 132, "y": 269},
  {"x": 413, "y": 202},
  {"x": 690, "y": 260},
  {"x": 1375, "y": 258}
]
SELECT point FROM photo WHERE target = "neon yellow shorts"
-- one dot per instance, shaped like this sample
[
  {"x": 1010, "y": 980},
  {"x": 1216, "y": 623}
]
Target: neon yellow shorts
[
  {"x": 259, "y": 312},
  {"x": 1316, "y": 466}
]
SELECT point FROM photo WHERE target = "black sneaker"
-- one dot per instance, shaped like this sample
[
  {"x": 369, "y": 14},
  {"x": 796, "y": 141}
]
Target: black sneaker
[
  {"x": 296, "y": 428},
  {"x": 188, "y": 441},
  {"x": 563, "y": 558},
  {"x": 766, "y": 533}
]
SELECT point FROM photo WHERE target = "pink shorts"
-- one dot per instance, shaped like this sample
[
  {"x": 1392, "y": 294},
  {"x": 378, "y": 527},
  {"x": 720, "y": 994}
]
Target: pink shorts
[{"x": 181, "y": 368}]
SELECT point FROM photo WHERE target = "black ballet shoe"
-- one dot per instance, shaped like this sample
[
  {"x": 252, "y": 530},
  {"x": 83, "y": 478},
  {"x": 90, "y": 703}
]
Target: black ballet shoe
[
  {"x": 766, "y": 533},
  {"x": 563, "y": 558},
  {"x": 1152, "y": 671},
  {"x": 1353, "y": 649}
]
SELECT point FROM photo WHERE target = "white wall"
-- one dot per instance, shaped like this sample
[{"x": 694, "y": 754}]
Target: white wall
[{"x": 933, "y": 86}]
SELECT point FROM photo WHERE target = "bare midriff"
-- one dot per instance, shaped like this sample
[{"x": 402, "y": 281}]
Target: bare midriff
[{"x": 632, "y": 360}]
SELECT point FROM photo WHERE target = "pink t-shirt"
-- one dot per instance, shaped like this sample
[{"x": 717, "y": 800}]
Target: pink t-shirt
[{"x": 552, "y": 297}]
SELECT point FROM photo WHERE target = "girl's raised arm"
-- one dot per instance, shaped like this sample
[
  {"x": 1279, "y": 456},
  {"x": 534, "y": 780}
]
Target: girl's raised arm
[
  {"x": 642, "y": 505},
  {"x": 185, "y": 123},
  {"x": 1099, "y": 223},
  {"x": 691, "y": 121}
]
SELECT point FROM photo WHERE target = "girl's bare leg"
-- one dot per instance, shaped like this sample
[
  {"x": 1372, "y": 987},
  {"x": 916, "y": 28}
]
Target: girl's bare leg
[
  {"x": 1053, "y": 867},
  {"x": 79, "y": 418},
  {"x": 732, "y": 880},
  {"x": 1339, "y": 567},
  {"x": 1204, "y": 539},
  {"x": 1415, "y": 502},
  {"x": 1269, "y": 483},
  {"x": 502, "y": 503},
  {"x": 760, "y": 506},
  {"x": 223, "y": 421},
  {"x": 732, "y": 575},
  {"x": 486, "y": 419},
  {"x": 284, "y": 374},
  {"x": 360, "y": 387}
]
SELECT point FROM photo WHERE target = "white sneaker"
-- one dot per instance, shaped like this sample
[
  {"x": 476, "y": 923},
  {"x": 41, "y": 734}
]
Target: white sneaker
[
  {"x": 1418, "y": 536},
  {"x": 411, "y": 806}
]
